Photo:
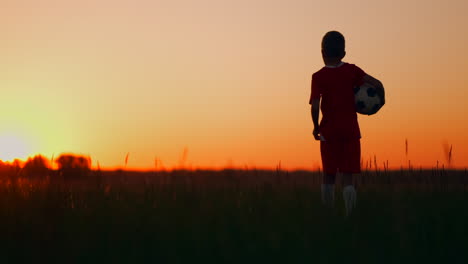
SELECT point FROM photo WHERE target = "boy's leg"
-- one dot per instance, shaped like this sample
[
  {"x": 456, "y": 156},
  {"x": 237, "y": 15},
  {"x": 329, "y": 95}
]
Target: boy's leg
[
  {"x": 349, "y": 193},
  {"x": 347, "y": 179},
  {"x": 352, "y": 164},
  {"x": 328, "y": 189},
  {"x": 329, "y": 153}
]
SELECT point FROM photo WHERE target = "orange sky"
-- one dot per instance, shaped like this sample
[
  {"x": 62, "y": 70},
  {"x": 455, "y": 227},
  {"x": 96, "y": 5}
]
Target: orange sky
[{"x": 228, "y": 80}]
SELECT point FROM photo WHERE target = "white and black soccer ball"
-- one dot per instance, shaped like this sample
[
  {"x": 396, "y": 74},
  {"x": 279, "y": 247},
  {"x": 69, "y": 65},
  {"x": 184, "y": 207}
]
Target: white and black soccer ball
[{"x": 367, "y": 100}]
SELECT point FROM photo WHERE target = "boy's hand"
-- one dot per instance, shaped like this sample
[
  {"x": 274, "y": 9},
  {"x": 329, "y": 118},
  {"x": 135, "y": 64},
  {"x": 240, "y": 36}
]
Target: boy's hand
[
  {"x": 315, "y": 110},
  {"x": 316, "y": 133},
  {"x": 382, "y": 95},
  {"x": 377, "y": 84}
]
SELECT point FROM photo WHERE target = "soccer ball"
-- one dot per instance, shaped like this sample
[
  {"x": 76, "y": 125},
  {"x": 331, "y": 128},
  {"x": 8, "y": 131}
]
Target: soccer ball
[{"x": 367, "y": 101}]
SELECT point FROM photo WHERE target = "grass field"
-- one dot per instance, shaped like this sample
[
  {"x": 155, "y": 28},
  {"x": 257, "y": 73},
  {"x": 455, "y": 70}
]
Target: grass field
[{"x": 231, "y": 216}]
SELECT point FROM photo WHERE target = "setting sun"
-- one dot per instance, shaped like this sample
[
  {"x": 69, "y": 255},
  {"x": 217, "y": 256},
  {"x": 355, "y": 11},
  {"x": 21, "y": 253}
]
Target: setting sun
[{"x": 13, "y": 147}]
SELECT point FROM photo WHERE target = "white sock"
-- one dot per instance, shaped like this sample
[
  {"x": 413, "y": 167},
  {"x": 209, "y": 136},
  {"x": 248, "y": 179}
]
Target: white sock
[
  {"x": 328, "y": 194},
  {"x": 349, "y": 197}
]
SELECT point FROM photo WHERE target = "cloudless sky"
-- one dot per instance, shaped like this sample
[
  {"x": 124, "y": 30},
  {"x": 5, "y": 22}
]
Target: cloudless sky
[{"x": 227, "y": 80}]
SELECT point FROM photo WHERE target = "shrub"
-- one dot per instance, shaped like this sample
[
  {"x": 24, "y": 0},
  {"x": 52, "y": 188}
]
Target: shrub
[
  {"x": 38, "y": 166},
  {"x": 73, "y": 166}
]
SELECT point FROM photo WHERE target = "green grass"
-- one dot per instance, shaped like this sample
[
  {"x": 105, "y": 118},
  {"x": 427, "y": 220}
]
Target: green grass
[{"x": 233, "y": 217}]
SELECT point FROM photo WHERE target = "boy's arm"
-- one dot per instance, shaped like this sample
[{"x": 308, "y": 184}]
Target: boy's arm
[
  {"x": 377, "y": 84},
  {"x": 315, "y": 110}
]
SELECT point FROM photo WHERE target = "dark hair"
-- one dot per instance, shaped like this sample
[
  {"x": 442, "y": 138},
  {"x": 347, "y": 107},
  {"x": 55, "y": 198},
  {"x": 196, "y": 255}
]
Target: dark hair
[{"x": 333, "y": 44}]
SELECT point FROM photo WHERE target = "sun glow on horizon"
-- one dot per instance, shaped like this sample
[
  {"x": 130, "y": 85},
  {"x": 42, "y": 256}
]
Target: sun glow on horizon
[{"x": 13, "y": 147}]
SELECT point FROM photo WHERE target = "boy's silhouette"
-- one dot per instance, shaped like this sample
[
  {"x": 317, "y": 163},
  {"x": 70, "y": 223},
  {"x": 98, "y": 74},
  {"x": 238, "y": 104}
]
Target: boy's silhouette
[{"x": 338, "y": 132}]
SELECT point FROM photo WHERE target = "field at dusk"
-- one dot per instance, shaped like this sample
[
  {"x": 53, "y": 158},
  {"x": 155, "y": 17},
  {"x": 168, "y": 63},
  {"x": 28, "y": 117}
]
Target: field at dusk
[
  {"x": 179, "y": 131},
  {"x": 230, "y": 216}
]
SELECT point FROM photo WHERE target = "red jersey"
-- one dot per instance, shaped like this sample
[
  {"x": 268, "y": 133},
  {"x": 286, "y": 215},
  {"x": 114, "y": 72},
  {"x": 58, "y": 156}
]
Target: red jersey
[{"x": 336, "y": 88}]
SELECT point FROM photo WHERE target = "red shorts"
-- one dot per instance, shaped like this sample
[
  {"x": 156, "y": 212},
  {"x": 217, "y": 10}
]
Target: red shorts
[{"x": 341, "y": 155}]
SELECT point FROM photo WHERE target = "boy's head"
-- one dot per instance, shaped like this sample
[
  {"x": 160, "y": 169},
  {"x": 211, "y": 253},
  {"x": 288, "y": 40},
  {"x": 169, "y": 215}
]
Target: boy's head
[{"x": 333, "y": 45}]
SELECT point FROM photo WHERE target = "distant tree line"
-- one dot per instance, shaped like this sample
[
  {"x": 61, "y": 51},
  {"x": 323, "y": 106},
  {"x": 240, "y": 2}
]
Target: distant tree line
[{"x": 68, "y": 166}]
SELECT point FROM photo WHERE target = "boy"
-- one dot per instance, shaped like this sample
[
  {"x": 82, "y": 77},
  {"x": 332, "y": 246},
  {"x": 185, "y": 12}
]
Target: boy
[{"x": 338, "y": 131}]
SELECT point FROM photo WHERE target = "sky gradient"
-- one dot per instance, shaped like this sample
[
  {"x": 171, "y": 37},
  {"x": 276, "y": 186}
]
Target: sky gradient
[{"x": 228, "y": 81}]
